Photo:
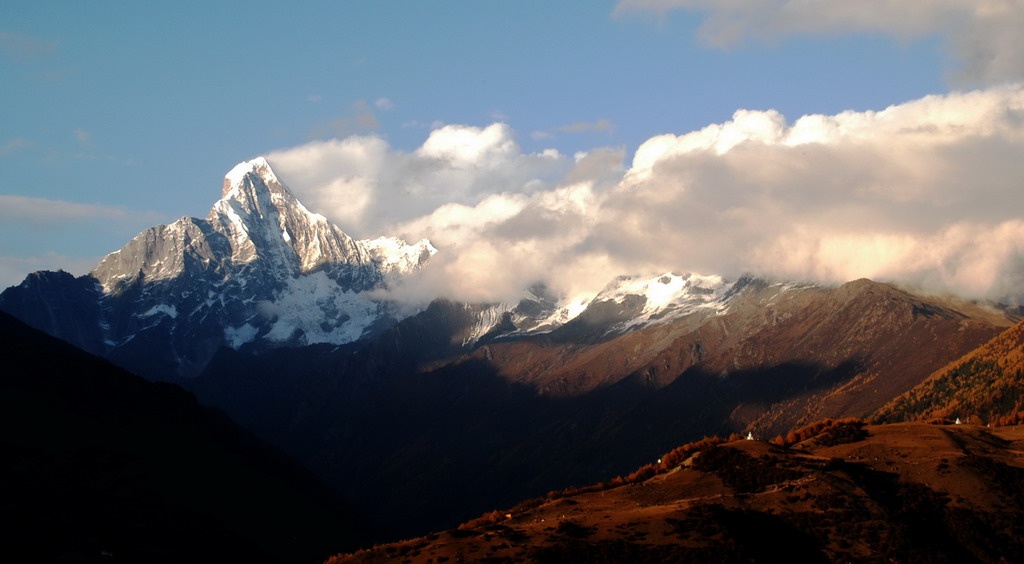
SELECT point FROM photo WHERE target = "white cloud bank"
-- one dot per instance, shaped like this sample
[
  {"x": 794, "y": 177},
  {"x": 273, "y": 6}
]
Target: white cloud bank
[
  {"x": 927, "y": 192},
  {"x": 982, "y": 35},
  {"x": 368, "y": 188}
]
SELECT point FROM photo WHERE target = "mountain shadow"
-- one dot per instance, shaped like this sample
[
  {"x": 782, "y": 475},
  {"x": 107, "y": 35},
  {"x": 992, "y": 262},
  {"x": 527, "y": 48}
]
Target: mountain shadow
[
  {"x": 425, "y": 449},
  {"x": 100, "y": 465}
]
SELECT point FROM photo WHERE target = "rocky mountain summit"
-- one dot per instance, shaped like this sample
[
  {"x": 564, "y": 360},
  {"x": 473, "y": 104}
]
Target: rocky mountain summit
[
  {"x": 257, "y": 228},
  {"x": 259, "y": 270}
]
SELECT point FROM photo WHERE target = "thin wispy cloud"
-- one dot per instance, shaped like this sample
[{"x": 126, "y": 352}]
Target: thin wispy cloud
[
  {"x": 84, "y": 137},
  {"x": 364, "y": 116},
  {"x": 602, "y": 125},
  {"x": 418, "y": 124},
  {"x": 43, "y": 211},
  {"x": 13, "y": 145},
  {"x": 982, "y": 36},
  {"x": 25, "y": 48},
  {"x": 13, "y": 268},
  {"x": 360, "y": 118}
]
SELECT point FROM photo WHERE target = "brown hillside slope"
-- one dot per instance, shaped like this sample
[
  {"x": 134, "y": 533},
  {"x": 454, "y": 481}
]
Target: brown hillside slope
[
  {"x": 987, "y": 383},
  {"x": 858, "y": 346},
  {"x": 903, "y": 493}
]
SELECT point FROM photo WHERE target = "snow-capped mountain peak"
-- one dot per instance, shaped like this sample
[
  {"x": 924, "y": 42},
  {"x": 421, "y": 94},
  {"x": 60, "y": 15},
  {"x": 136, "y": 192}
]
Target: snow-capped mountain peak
[
  {"x": 255, "y": 169},
  {"x": 259, "y": 268},
  {"x": 648, "y": 301},
  {"x": 263, "y": 220},
  {"x": 625, "y": 304}
]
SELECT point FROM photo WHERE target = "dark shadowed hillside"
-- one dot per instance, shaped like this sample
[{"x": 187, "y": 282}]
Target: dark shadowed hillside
[{"x": 99, "y": 465}]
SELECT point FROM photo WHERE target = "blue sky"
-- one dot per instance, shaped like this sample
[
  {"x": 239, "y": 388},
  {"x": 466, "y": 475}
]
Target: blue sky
[{"x": 116, "y": 116}]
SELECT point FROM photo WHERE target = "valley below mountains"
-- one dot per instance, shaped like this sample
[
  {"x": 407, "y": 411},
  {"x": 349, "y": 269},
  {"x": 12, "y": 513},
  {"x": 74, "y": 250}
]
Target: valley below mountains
[{"x": 423, "y": 419}]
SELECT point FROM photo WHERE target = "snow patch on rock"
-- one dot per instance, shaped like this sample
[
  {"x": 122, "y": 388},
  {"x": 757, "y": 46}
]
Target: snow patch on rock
[
  {"x": 168, "y": 310},
  {"x": 238, "y": 336},
  {"x": 314, "y": 309}
]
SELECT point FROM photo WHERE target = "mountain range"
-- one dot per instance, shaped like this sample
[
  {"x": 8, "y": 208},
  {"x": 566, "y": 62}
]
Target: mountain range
[{"x": 424, "y": 419}]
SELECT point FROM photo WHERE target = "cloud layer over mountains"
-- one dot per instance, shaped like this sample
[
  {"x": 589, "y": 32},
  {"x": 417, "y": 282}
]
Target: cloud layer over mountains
[{"x": 927, "y": 192}]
